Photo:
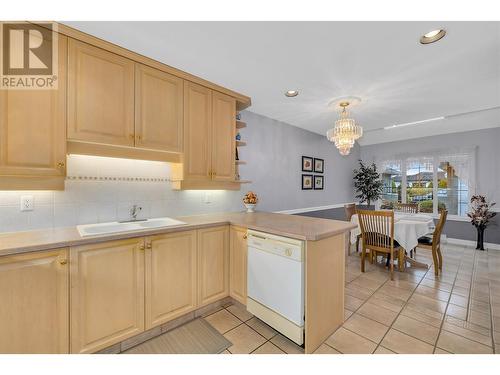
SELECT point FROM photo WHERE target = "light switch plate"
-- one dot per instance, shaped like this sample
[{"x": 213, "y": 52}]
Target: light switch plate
[{"x": 27, "y": 203}]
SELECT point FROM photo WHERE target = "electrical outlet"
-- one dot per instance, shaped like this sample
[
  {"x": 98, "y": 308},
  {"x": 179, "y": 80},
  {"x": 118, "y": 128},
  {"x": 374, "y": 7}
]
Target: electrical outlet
[{"x": 27, "y": 203}]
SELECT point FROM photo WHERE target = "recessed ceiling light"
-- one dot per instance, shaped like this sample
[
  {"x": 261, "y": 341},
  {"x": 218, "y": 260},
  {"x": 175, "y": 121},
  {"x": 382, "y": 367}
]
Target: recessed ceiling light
[
  {"x": 292, "y": 93},
  {"x": 432, "y": 36}
]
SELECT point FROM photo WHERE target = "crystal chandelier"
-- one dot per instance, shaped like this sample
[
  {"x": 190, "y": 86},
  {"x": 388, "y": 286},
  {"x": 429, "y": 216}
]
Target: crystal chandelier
[{"x": 345, "y": 132}]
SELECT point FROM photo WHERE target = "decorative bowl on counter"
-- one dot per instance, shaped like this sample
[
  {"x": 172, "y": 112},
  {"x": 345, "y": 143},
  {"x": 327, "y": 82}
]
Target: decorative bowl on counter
[
  {"x": 250, "y": 207},
  {"x": 250, "y": 201}
]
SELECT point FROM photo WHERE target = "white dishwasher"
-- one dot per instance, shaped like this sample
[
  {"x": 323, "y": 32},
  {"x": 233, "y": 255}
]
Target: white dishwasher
[{"x": 275, "y": 282}]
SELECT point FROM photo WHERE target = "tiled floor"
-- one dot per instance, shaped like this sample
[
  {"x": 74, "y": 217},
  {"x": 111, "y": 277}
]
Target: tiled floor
[{"x": 457, "y": 312}]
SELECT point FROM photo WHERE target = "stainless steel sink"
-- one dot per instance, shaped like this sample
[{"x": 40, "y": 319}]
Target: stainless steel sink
[{"x": 117, "y": 227}]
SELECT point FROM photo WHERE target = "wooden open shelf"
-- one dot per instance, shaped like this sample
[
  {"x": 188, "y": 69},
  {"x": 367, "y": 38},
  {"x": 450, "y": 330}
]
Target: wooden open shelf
[
  {"x": 240, "y": 143},
  {"x": 243, "y": 181},
  {"x": 241, "y": 124},
  {"x": 240, "y": 162}
]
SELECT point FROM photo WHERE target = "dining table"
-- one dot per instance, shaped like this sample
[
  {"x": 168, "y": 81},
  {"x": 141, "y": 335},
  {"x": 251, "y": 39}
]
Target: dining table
[{"x": 408, "y": 227}]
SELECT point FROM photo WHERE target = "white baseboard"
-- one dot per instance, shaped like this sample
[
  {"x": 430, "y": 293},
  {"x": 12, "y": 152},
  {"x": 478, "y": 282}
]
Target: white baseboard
[{"x": 469, "y": 243}]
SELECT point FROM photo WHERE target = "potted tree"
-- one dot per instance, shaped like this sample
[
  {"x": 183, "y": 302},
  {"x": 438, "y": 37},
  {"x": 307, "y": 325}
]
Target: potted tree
[
  {"x": 480, "y": 216},
  {"x": 367, "y": 183}
]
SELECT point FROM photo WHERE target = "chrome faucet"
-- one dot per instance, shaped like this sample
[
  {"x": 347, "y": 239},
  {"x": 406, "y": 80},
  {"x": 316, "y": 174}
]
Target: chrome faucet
[{"x": 134, "y": 211}]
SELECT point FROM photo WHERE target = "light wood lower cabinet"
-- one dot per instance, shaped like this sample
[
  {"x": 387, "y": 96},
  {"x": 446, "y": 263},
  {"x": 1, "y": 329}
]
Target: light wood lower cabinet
[
  {"x": 170, "y": 276},
  {"x": 107, "y": 293},
  {"x": 238, "y": 264},
  {"x": 213, "y": 264},
  {"x": 34, "y": 303}
]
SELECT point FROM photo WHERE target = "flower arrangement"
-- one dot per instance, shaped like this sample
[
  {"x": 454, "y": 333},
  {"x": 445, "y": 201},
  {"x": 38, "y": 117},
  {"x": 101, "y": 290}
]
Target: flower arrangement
[
  {"x": 480, "y": 214},
  {"x": 250, "y": 200}
]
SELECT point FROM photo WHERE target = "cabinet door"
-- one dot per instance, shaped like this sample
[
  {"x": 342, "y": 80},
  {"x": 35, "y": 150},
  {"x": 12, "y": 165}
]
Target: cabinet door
[
  {"x": 197, "y": 132},
  {"x": 170, "y": 276},
  {"x": 238, "y": 264},
  {"x": 159, "y": 106},
  {"x": 223, "y": 137},
  {"x": 33, "y": 127},
  {"x": 213, "y": 264},
  {"x": 100, "y": 96},
  {"x": 107, "y": 293},
  {"x": 34, "y": 309}
]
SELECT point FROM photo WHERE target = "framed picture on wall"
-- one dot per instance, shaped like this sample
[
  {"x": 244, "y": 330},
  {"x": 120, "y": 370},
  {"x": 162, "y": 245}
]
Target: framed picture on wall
[
  {"x": 307, "y": 164},
  {"x": 319, "y": 165},
  {"x": 318, "y": 182},
  {"x": 307, "y": 181}
]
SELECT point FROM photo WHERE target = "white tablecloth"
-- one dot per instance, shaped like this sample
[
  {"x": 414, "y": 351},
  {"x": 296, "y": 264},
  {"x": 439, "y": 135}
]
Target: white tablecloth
[{"x": 407, "y": 228}]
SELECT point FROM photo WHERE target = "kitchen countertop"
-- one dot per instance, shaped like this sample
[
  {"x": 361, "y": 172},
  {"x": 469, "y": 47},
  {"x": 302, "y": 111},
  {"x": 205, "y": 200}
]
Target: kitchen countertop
[{"x": 297, "y": 227}]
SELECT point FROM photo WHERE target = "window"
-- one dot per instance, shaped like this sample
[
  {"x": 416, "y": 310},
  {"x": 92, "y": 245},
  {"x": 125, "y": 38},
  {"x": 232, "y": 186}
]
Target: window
[
  {"x": 391, "y": 177},
  {"x": 419, "y": 183},
  {"x": 436, "y": 181}
]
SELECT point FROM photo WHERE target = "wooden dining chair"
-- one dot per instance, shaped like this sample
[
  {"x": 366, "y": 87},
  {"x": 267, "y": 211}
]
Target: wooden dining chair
[
  {"x": 434, "y": 243},
  {"x": 377, "y": 235},
  {"x": 410, "y": 208},
  {"x": 350, "y": 209}
]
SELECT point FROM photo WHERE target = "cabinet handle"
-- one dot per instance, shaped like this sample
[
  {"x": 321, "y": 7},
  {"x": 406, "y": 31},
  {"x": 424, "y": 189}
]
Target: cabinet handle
[
  {"x": 131, "y": 136},
  {"x": 139, "y": 137},
  {"x": 245, "y": 236},
  {"x": 61, "y": 164},
  {"x": 141, "y": 247},
  {"x": 149, "y": 245},
  {"x": 63, "y": 262}
]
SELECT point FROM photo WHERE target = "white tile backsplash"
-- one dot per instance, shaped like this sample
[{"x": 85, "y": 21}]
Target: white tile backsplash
[{"x": 100, "y": 200}]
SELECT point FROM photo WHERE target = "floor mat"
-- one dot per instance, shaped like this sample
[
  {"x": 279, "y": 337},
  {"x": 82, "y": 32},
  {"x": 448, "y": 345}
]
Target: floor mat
[{"x": 195, "y": 337}]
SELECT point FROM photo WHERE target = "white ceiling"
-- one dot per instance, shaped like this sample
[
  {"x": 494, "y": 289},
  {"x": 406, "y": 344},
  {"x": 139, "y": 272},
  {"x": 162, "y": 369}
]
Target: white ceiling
[{"x": 398, "y": 79}]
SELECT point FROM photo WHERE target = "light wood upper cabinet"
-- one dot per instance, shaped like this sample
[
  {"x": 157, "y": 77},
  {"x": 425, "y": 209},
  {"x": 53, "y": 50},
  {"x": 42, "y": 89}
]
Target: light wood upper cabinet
[
  {"x": 100, "y": 96},
  {"x": 197, "y": 132},
  {"x": 33, "y": 129},
  {"x": 34, "y": 303},
  {"x": 238, "y": 264},
  {"x": 158, "y": 109},
  {"x": 107, "y": 293},
  {"x": 213, "y": 264},
  {"x": 223, "y": 136},
  {"x": 170, "y": 276}
]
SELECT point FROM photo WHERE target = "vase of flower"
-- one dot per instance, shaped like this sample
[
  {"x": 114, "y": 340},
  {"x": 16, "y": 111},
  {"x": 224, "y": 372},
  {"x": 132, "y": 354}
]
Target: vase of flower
[
  {"x": 250, "y": 201},
  {"x": 480, "y": 214}
]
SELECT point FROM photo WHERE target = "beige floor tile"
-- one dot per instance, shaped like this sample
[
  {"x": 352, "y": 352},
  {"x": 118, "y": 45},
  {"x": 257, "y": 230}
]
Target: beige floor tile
[
  {"x": 445, "y": 287},
  {"x": 441, "y": 351},
  {"x": 460, "y": 345},
  {"x": 287, "y": 345},
  {"x": 367, "y": 328},
  {"x": 428, "y": 303},
  {"x": 456, "y": 311},
  {"x": 347, "y": 314},
  {"x": 268, "y": 348},
  {"x": 403, "y": 284},
  {"x": 225, "y": 352},
  {"x": 240, "y": 312},
  {"x": 401, "y": 343},
  {"x": 480, "y": 306},
  {"x": 388, "y": 302},
  {"x": 424, "y": 315},
  {"x": 468, "y": 325},
  {"x": 464, "y": 292},
  {"x": 403, "y": 294},
  {"x": 417, "y": 329},
  {"x": 463, "y": 283},
  {"x": 471, "y": 335},
  {"x": 479, "y": 318},
  {"x": 223, "y": 321},
  {"x": 348, "y": 342},
  {"x": 244, "y": 339},
  {"x": 382, "y": 350},
  {"x": 261, "y": 328},
  {"x": 326, "y": 349},
  {"x": 459, "y": 300},
  {"x": 365, "y": 283},
  {"x": 433, "y": 293},
  {"x": 378, "y": 313},
  {"x": 355, "y": 291},
  {"x": 352, "y": 303}
]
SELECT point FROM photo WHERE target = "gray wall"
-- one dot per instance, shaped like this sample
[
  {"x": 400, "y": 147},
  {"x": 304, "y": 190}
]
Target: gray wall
[
  {"x": 274, "y": 153},
  {"x": 487, "y": 169}
]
